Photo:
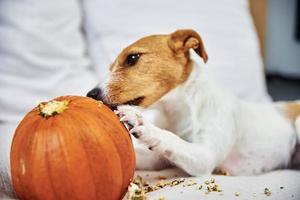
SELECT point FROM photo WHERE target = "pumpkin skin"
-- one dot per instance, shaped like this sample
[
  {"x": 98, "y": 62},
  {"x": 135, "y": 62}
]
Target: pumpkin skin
[{"x": 79, "y": 154}]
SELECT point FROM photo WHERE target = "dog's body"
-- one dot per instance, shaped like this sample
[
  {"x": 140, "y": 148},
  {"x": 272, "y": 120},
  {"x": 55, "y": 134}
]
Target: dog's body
[{"x": 204, "y": 127}]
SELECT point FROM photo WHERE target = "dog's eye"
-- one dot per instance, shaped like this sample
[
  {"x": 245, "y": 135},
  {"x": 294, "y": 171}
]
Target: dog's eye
[{"x": 132, "y": 59}]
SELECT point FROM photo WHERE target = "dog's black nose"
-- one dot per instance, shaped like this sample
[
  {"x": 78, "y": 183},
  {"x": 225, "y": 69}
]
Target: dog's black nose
[{"x": 95, "y": 93}]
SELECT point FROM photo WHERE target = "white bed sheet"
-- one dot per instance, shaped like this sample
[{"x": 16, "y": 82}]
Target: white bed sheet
[{"x": 283, "y": 184}]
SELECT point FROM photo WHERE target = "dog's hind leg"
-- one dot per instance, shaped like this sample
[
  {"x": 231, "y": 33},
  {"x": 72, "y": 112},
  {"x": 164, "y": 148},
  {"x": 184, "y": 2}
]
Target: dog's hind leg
[
  {"x": 297, "y": 126},
  {"x": 296, "y": 156},
  {"x": 291, "y": 111}
]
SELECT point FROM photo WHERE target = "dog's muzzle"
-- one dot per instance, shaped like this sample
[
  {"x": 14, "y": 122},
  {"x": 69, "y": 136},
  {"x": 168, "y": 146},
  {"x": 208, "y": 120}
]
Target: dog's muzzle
[{"x": 97, "y": 94}]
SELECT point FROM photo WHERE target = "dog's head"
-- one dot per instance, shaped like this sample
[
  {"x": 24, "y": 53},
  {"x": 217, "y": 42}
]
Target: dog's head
[{"x": 149, "y": 68}]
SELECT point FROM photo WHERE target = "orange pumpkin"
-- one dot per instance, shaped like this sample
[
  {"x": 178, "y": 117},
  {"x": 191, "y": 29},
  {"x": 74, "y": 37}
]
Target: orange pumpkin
[{"x": 71, "y": 148}]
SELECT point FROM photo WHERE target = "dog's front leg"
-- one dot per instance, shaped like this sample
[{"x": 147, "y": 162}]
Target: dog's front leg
[{"x": 194, "y": 158}]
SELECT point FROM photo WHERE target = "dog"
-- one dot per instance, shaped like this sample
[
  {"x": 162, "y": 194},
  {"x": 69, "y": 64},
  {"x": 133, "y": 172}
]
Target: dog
[{"x": 199, "y": 126}]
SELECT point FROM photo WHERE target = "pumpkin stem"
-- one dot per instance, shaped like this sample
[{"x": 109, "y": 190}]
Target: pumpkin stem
[{"x": 52, "y": 108}]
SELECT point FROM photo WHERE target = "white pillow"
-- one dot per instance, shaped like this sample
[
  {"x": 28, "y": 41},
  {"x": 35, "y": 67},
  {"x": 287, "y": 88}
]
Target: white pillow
[
  {"x": 226, "y": 27},
  {"x": 42, "y": 54}
]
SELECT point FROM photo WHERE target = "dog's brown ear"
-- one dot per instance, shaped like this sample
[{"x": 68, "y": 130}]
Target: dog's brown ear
[{"x": 184, "y": 39}]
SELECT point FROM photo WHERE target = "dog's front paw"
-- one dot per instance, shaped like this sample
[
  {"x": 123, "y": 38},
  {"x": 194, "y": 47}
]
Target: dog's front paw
[
  {"x": 132, "y": 119},
  {"x": 137, "y": 126}
]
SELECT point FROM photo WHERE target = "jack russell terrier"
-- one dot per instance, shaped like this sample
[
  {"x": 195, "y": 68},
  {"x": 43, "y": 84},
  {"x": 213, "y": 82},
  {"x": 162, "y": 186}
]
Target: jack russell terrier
[{"x": 205, "y": 128}]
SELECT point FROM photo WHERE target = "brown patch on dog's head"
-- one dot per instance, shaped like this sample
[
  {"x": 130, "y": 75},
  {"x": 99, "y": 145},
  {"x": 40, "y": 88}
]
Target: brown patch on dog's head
[
  {"x": 292, "y": 110},
  {"x": 149, "y": 68}
]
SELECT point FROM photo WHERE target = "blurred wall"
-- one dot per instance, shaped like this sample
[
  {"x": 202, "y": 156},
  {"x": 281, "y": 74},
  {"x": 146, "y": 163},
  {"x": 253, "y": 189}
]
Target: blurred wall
[{"x": 282, "y": 54}]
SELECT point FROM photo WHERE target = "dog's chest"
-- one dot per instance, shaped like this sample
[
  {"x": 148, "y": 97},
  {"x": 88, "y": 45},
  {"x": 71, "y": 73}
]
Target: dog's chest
[{"x": 179, "y": 119}]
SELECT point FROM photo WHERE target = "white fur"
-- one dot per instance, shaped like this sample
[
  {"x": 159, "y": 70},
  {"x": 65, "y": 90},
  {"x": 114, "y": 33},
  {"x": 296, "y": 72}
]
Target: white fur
[{"x": 205, "y": 128}]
